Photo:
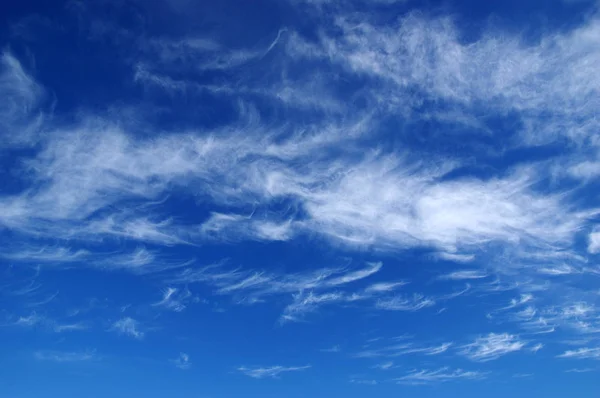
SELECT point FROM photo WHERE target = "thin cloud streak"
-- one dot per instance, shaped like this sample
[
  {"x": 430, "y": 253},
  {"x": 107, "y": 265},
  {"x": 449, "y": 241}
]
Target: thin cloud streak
[
  {"x": 65, "y": 357},
  {"x": 270, "y": 372},
  {"x": 582, "y": 353},
  {"x": 420, "y": 377}
]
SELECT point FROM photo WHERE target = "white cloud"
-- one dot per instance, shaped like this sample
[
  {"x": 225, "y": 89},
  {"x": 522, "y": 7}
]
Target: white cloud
[
  {"x": 305, "y": 303},
  {"x": 522, "y": 375},
  {"x": 29, "y": 321},
  {"x": 580, "y": 370},
  {"x": 553, "y": 77},
  {"x": 456, "y": 257},
  {"x": 523, "y": 299},
  {"x": 182, "y": 361},
  {"x": 69, "y": 327},
  {"x": 582, "y": 353},
  {"x": 385, "y": 286},
  {"x": 396, "y": 350},
  {"x": 272, "y": 178},
  {"x": 440, "y": 375},
  {"x": 492, "y": 346},
  {"x": 174, "y": 299},
  {"x": 464, "y": 274},
  {"x": 19, "y": 116},
  {"x": 594, "y": 242},
  {"x": 536, "y": 347},
  {"x": 59, "y": 356},
  {"x": 399, "y": 303},
  {"x": 129, "y": 327},
  {"x": 384, "y": 365},
  {"x": 401, "y": 203},
  {"x": 427, "y": 350},
  {"x": 270, "y": 372},
  {"x": 140, "y": 261},
  {"x": 356, "y": 275},
  {"x": 51, "y": 254},
  {"x": 563, "y": 269},
  {"x": 83, "y": 171},
  {"x": 309, "y": 290},
  {"x": 585, "y": 170},
  {"x": 364, "y": 382},
  {"x": 43, "y": 322},
  {"x": 205, "y": 52}
]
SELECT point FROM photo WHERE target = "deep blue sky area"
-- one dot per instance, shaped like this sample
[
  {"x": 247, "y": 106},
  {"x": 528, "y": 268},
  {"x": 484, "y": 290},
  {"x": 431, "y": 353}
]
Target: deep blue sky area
[{"x": 342, "y": 198}]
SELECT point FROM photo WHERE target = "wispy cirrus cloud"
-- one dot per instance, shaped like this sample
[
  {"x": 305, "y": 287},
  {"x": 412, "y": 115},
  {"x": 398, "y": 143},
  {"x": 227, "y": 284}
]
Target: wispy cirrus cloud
[
  {"x": 104, "y": 180},
  {"x": 174, "y": 299},
  {"x": 306, "y": 303},
  {"x": 409, "y": 54},
  {"x": 385, "y": 286},
  {"x": 61, "y": 356},
  {"x": 384, "y": 365},
  {"x": 309, "y": 290},
  {"x": 408, "y": 348},
  {"x": 69, "y": 327},
  {"x": 270, "y": 372},
  {"x": 43, "y": 322},
  {"x": 30, "y": 320},
  {"x": 464, "y": 275},
  {"x": 419, "y": 377},
  {"x": 581, "y": 370},
  {"x": 429, "y": 51},
  {"x": 20, "y": 117},
  {"x": 333, "y": 208},
  {"x": 49, "y": 254},
  {"x": 129, "y": 327},
  {"x": 399, "y": 303},
  {"x": 536, "y": 347},
  {"x": 456, "y": 257},
  {"x": 492, "y": 346},
  {"x": 582, "y": 353}
]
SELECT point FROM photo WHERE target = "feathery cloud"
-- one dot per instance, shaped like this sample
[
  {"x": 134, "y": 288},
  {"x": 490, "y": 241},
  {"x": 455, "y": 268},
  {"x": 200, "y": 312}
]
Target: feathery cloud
[
  {"x": 174, "y": 299},
  {"x": 418, "y": 377},
  {"x": 270, "y": 372},
  {"x": 398, "y": 303},
  {"x": 128, "y": 326},
  {"x": 492, "y": 346},
  {"x": 463, "y": 274},
  {"x": 582, "y": 353}
]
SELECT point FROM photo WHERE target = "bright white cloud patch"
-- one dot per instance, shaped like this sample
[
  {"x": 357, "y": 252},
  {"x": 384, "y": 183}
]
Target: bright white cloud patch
[{"x": 594, "y": 242}]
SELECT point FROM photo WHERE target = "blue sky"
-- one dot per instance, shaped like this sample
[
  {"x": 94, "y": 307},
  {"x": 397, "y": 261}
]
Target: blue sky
[{"x": 298, "y": 198}]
